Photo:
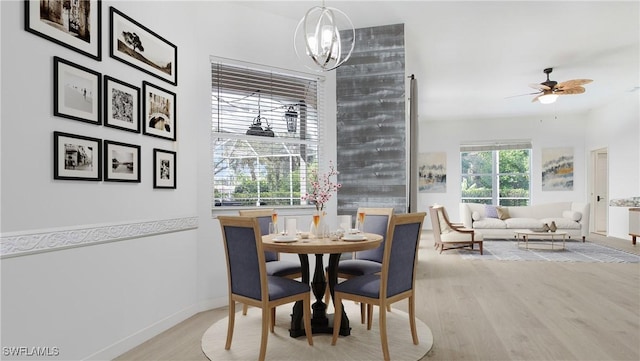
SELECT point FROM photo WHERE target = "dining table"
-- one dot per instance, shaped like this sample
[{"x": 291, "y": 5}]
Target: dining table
[{"x": 321, "y": 321}]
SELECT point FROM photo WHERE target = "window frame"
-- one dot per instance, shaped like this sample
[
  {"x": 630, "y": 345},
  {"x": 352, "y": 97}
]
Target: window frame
[{"x": 307, "y": 144}]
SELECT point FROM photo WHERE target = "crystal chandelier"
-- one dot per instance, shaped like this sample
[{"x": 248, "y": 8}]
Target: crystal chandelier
[{"x": 318, "y": 42}]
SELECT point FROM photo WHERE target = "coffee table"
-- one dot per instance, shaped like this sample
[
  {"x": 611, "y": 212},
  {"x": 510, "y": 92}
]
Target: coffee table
[{"x": 527, "y": 234}]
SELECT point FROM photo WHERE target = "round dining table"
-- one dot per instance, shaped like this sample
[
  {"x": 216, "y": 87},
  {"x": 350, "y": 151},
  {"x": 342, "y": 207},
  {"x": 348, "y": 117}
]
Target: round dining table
[{"x": 321, "y": 322}]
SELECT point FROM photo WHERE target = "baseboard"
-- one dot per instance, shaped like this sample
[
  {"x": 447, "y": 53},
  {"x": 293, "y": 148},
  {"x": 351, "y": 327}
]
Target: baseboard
[{"x": 118, "y": 348}]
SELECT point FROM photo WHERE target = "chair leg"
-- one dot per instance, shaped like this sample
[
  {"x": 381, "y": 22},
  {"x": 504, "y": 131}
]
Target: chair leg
[
  {"x": 412, "y": 319},
  {"x": 306, "y": 314},
  {"x": 244, "y": 309},
  {"x": 337, "y": 318},
  {"x": 369, "y": 316},
  {"x": 383, "y": 332},
  {"x": 362, "y": 311},
  {"x": 327, "y": 291},
  {"x": 272, "y": 320},
  {"x": 265, "y": 333},
  {"x": 230, "y": 324}
]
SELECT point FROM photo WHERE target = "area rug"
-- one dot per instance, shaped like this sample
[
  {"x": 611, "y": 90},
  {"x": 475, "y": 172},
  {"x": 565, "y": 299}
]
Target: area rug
[
  {"x": 360, "y": 345},
  {"x": 575, "y": 251}
]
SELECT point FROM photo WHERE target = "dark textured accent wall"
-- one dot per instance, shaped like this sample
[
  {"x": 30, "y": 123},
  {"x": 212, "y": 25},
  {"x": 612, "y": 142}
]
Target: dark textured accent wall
[{"x": 371, "y": 122}]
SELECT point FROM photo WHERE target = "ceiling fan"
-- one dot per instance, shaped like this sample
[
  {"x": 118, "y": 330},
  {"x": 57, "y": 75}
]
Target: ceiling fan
[{"x": 549, "y": 90}]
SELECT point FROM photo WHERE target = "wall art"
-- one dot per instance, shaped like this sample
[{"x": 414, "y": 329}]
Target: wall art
[
  {"x": 121, "y": 162},
  {"x": 159, "y": 111},
  {"x": 121, "y": 105},
  {"x": 135, "y": 45},
  {"x": 77, "y": 92},
  {"x": 76, "y": 157},
  {"x": 75, "y": 24},
  {"x": 557, "y": 169},
  {"x": 165, "y": 169},
  {"x": 432, "y": 172}
]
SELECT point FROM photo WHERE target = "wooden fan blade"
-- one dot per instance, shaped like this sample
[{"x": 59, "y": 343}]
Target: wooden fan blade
[
  {"x": 573, "y": 83},
  {"x": 521, "y": 95},
  {"x": 536, "y": 98},
  {"x": 539, "y": 86},
  {"x": 570, "y": 91}
]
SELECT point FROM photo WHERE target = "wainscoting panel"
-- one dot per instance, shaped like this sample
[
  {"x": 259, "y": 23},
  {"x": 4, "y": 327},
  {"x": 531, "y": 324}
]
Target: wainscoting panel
[{"x": 371, "y": 122}]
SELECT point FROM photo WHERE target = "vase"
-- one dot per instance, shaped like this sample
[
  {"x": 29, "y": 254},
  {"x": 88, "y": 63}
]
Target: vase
[{"x": 317, "y": 224}]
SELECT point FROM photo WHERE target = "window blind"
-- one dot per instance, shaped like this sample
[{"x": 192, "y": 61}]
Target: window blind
[{"x": 495, "y": 145}]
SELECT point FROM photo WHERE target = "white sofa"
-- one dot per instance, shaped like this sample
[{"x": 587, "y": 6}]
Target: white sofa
[{"x": 570, "y": 217}]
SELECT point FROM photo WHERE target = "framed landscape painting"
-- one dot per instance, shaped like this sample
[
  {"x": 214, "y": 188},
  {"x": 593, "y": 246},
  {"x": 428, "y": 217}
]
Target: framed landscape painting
[
  {"x": 432, "y": 172},
  {"x": 76, "y": 92},
  {"x": 135, "y": 45},
  {"x": 164, "y": 169},
  {"x": 76, "y": 157},
  {"x": 121, "y": 105},
  {"x": 159, "y": 109},
  {"x": 121, "y": 162},
  {"x": 74, "y": 24},
  {"x": 557, "y": 169}
]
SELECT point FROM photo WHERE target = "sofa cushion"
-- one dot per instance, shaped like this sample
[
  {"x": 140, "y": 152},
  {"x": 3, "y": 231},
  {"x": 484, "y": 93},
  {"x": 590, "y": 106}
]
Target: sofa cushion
[
  {"x": 490, "y": 211},
  {"x": 503, "y": 212},
  {"x": 476, "y": 216},
  {"x": 489, "y": 223},
  {"x": 562, "y": 223},
  {"x": 572, "y": 215},
  {"x": 523, "y": 223}
]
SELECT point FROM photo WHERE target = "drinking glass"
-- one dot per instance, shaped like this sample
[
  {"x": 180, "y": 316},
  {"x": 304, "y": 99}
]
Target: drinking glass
[
  {"x": 273, "y": 228},
  {"x": 361, "y": 217},
  {"x": 274, "y": 221}
]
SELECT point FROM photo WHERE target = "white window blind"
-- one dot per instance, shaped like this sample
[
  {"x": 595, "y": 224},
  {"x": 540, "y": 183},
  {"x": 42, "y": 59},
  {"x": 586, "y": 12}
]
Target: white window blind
[{"x": 265, "y": 132}]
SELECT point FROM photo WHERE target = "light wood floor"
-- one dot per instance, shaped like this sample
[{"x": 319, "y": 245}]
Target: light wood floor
[{"x": 494, "y": 310}]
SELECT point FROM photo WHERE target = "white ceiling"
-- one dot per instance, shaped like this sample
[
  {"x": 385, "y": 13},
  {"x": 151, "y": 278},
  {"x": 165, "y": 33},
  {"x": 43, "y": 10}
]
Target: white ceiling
[{"x": 469, "y": 56}]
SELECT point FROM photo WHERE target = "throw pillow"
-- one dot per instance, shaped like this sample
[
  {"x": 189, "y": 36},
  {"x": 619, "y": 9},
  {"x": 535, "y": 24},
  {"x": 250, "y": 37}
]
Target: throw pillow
[
  {"x": 572, "y": 215},
  {"x": 503, "y": 213},
  {"x": 475, "y": 216},
  {"x": 490, "y": 211}
]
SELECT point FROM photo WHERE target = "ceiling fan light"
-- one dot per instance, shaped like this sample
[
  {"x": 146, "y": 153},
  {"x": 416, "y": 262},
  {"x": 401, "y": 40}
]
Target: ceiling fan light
[{"x": 548, "y": 98}]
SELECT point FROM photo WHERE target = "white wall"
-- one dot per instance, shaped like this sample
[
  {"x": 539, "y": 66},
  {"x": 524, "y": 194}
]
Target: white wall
[
  {"x": 617, "y": 128},
  {"x": 556, "y": 131},
  {"x": 100, "y": 300}
]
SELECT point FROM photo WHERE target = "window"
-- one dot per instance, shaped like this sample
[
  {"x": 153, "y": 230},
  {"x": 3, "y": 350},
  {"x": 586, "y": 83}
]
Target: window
[
  {"x": 497, "y": 174},
  {"x": 265, "y": 133}
]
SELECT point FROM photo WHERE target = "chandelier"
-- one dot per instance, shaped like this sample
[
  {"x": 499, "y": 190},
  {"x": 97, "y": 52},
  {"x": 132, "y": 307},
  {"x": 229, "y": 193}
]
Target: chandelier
[{"x": 318, "y": 42}]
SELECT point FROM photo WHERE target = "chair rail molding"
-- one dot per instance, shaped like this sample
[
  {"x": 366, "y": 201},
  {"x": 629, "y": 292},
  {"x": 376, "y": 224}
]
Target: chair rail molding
[{"x": 24, "y": 243}]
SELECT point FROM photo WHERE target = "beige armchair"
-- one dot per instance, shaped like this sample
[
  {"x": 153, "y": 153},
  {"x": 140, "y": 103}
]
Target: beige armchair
[{"x": 449, "y": 235}]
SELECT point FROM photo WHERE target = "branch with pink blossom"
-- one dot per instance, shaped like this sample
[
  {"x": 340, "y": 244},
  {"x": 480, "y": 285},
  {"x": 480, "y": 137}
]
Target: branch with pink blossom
[{"x": 322, "y": 187}]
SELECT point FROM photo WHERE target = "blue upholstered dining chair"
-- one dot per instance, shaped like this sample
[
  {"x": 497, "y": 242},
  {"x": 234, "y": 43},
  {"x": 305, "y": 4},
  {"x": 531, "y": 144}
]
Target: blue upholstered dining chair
[
  {"x": 275, "y": 266},
  {"x": 369, "y": 261},
  {"x": 248, "y": 280},
  {"x": 395, "y": 282}
]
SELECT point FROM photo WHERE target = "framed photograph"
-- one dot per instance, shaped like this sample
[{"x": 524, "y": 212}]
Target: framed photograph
[
  {"x": 121, "y": 162},
  {"x": 76, "y": 92},
  {"x": 164, "y": 169},
  {"x": 135, "y": 45},
  {"x": 121, "y": 105},
  {"x": 159, "y": 111},
  {"x": 75, "y": 24},
  {"x": 76, "y": 157}
]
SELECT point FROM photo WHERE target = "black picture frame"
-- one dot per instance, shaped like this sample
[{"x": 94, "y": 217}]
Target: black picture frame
[
  {"x": 165, "y": 170},
  {"x": 121, "y": 105},
  {"x": 121, "y": 162},
  {"x": 77, "y": 92},
  {"x": 136, "y": 45},
  {"x": 66, "y": 23},
  {"x": 158, "y": 112},
  {"x": 76, "y": 157}
]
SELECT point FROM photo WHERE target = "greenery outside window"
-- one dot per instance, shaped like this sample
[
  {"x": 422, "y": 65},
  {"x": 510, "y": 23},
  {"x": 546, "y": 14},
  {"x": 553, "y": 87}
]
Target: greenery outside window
[
  {"x": 497, "y": 174},
  {"x": 265, "y": 133}
]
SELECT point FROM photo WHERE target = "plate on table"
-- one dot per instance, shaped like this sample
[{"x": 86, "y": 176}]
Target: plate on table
[
  {"x": 354, "y": 237},
  {"x": 285, "y": 239}
]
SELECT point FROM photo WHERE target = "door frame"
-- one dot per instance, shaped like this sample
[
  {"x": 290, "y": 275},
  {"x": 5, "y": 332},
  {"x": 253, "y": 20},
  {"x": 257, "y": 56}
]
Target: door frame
[{"x": 593, "y": 177}]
